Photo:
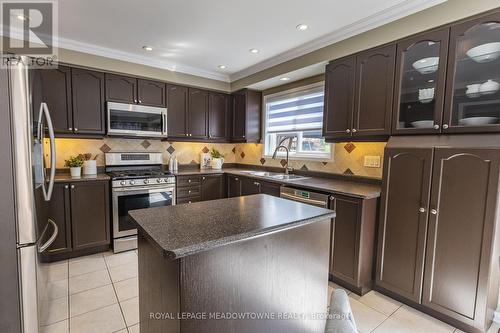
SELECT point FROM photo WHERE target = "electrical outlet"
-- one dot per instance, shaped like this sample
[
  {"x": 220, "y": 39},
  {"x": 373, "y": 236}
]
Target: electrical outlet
[{"x": 372, "y": 161}]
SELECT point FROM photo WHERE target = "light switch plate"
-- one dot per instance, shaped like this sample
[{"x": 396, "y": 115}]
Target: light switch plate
[{"x": 372, "y": 161}]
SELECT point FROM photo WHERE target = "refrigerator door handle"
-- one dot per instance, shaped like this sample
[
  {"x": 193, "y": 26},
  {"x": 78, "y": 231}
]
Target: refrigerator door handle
[
  {"x": 44, "y": 111},
  {"x": 52, "y": 238}
]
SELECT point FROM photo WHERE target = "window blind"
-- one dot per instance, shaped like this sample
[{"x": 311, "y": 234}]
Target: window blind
[{"x": 298, "y": 111}]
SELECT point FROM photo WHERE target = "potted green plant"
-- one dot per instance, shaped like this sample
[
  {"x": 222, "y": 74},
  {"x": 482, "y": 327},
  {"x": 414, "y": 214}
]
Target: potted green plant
[
  {"x": 74, "y": 163},
  {"x": 217, "y": 159}
]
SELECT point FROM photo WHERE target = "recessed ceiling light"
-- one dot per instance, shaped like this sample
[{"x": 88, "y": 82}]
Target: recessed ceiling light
[
  {"x": 302, "y": 27},
  {"x": 285, "y": 79},
  {"x": 222, "y": 66},
  {"x": 147, "y": 48},
  {"x": 254, "y": 51}
]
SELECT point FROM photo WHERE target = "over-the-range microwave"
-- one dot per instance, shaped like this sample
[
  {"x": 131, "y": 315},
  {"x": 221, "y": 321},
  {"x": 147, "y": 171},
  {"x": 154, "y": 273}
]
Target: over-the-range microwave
[{"x": 136, "y": 120}]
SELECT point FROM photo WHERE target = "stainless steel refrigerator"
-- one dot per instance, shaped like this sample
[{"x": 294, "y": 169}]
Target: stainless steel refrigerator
[{"x": 29, "y": 188}]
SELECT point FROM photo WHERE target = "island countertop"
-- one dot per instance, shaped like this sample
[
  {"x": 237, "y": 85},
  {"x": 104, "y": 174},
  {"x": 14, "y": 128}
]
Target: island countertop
[{"x": 183, "y": 230}]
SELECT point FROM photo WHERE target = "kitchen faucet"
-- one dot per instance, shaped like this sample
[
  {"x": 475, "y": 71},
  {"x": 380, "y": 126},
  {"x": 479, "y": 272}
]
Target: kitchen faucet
[{"x": 280, "y": 145}]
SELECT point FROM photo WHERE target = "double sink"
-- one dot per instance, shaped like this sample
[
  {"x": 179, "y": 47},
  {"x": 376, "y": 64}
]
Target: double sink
[{"x": 274, "y": 175}]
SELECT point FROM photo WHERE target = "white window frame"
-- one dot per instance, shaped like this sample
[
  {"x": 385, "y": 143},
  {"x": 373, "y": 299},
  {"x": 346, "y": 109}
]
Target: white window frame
[{"x": 305, "y": 156}]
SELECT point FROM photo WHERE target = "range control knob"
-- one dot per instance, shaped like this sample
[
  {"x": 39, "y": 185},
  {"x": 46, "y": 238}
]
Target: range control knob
[
  {"x": 145, "y": 181},
  {"x": 158, "y": 180},
  {"x": 132, "y": 182},
  {"x": 122, "y": 183}
]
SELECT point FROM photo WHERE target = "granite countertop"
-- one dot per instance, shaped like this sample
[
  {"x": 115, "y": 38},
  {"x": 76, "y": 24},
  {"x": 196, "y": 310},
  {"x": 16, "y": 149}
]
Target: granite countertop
[
  {"x": 183, "y": 230},
  {"x": 66, "y": 177},
  {"x": 330, "y": 185}
]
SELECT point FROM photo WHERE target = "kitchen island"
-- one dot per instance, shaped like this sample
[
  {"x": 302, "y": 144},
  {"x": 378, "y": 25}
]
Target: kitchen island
[{"x": 248, "y": 264}]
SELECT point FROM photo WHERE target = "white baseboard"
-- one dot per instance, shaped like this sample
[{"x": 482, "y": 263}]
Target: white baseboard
[{"x": 496, "y": 317}]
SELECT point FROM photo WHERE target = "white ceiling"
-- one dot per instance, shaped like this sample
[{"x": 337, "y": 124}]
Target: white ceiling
[{"x": 195, "y": 36}]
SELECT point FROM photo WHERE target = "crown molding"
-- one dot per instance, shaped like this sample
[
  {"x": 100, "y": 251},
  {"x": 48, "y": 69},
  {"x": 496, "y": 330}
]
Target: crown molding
[
  {"x": 371, "y": 22},
  {"x": 106, "y": 52}
]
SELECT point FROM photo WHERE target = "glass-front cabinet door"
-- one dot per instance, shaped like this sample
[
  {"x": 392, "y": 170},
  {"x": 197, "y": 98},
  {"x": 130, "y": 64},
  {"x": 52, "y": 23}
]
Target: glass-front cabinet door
[
  {"x": 420, "y": 83},
  {"x": 473, "y": 82}
]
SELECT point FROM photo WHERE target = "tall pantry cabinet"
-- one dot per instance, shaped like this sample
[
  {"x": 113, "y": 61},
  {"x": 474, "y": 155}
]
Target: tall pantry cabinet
[{"x": 439, "y": 240}]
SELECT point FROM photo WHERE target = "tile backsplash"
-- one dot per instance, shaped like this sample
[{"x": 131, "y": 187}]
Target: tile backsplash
[{"x": 348, "y": 158}]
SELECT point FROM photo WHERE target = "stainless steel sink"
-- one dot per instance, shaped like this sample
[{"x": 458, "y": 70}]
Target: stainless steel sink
[
  {"x": 288, "y": 177},
  {"x": 274, "y": 175}
]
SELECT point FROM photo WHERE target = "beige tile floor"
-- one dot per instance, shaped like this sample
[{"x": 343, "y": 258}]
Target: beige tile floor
[{"x": 99, "y": 293}]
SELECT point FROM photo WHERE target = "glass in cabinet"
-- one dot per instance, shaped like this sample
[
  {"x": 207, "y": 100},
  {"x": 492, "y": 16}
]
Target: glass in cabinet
[
  {"x": 473, "y": 83},
  {"x": 420, "y": 77}
]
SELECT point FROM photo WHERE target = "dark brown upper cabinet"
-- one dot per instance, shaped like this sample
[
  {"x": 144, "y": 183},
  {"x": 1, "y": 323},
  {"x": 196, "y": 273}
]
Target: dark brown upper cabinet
[
  {"x": 90, "y": 227},
  {"x": 339, "y": 98},
  {"x": 358, "y": 95},
  {"x": 88, "y": 102},
  {"x": 473, "y": 82},
  {"x": 122, "y": 89},
  {"x": 151, "y": 93},
  {"x": 53, "y": 86},
  {"x": 125, "y": 89},
  {"x": 420, "y": 83},
  {"x": 197, "y": 117},
  {"x": 403, "y": 225},
  {"x": 246, "y": 113},
  {"x": 177, "y": 104},
  {"x": 218, "y": 113},
  {"x": 374, "y": 91}
]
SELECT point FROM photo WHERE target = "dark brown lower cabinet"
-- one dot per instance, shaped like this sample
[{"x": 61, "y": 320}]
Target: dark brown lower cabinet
[
  {"x": 90, "y": 214},
  {"x": 352, "y": 242},
  {"x": 59, "y": 211},
  {"x": 212, "y": 187},
  {"x": 233, "y": 186},
  {"x": 81, "y": 212},
  {"x": 270, "y": 188},
  {"x": 249, "y": 186},
  {"x": 438, "y": 229}
]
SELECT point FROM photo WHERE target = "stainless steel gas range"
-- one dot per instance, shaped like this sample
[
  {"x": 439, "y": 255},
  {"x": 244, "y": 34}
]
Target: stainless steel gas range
[{"x": 137, "y": 181}]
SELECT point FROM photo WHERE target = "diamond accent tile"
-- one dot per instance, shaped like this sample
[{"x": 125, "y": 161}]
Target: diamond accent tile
[
  {"x": 348, "y": 172},
  {"x": 242, "y": 154},
  {"x": 283, "y": 163},
  {"x": 262, "y": 160},
  {"x": 324, "y": 163},
  {"x": 105, "y": 148},
  {"x": 234, "y": 150},
  {"x": 349, "y": 147},
  {"x": 146, "y": 144},
  {"x": 205, "y": 150},
  {"x": 304, "y": 168},
  {"x": 170, "y": 149}
]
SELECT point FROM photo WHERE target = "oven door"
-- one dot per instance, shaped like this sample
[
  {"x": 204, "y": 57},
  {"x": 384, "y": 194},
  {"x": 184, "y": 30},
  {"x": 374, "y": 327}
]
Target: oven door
[
  {"x": 136, "y": 120},
  {"x": 126, "y": 199}
]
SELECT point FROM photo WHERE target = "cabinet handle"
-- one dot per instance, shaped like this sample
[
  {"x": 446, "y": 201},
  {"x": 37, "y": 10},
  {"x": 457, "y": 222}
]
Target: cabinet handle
[
  {"x": 135, "y": 100},
  {"x": 256, "y": 183},
  {"x": 203, "y": 178},
  {"x": 66, "y": 186},
  {"x": 331, "y": 198},
  {"x": 187, "y": 134},
  {"x": 70, "y": 128},
  {"x": 421, "y": 210},
  {"x": 72, "y": 186},
  {"x": 76, "y": 129},
  {"x": 189, "y": 180},
  {"x": 354, "y": 130},
  {"x": 236, "y": 178},
  {"x": 436, "y": 127},
  {"x": 189, "y": 191},
  {"x": 434, "y": 212},
  {"x": 445, "y": 126},
  {"x": 348, "y": 131},
  {"x": 243, "y": 136},
  {"x": 189, "y": 201},
  {"x": 140, "y": 102}
]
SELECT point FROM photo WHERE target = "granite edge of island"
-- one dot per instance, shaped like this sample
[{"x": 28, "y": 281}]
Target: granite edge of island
[{"x": 228, "y": 240}]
